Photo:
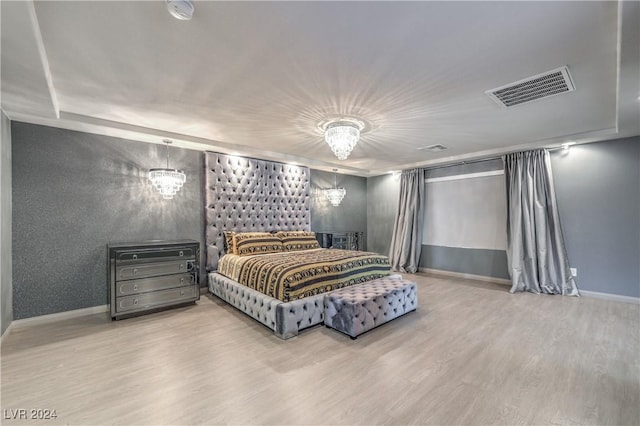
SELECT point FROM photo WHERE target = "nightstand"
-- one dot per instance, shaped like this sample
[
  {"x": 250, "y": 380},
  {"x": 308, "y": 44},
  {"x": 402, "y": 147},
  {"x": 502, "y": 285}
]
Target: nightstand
[{"x": 341, "y": 240}]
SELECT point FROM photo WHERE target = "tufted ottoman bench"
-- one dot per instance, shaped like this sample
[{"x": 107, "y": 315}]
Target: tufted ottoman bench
[{"x": 359, "y": 308}]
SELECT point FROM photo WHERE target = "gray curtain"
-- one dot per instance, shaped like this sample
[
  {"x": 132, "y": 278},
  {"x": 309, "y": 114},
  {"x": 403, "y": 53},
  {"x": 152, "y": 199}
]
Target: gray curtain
[
  {"x": 406, "y": 242},
  {"x": 536, "y": 255}
]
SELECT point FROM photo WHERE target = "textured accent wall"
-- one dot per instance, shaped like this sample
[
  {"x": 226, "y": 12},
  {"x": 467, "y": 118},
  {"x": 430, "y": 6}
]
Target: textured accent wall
[
  {"x": 350, "y": 215},
  {"x": 6, "y": 283},
  {"x": 73, "y": 193},
  {"x": 598, "y": 191},
  {"x": 383, "y": 193}
]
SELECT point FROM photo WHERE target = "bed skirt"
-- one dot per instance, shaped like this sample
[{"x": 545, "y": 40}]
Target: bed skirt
[{"x": 286, "y": 319}]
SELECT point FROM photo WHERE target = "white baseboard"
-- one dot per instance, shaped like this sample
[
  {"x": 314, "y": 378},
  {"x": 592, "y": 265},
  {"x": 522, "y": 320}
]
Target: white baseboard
[
  {"x": 44, "y": 319},
  {"x": 609, "y": 296},
  {"x": 466, "y": 276},
  {"x": 585, "y": 293},
  {"x": 6, "y": 333}
]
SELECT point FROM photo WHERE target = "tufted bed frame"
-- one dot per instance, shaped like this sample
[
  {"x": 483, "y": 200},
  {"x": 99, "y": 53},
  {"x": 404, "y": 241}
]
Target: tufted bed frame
[{"x": 244, "y": 195}]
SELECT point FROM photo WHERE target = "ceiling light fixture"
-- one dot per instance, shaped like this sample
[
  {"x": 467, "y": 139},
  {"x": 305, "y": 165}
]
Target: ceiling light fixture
[
  {"x": 342, "y": 136},
  {"x": 180, "y": 9},
  {"x": 167, "y": 181},
  {"x": 335, "y": 194}
]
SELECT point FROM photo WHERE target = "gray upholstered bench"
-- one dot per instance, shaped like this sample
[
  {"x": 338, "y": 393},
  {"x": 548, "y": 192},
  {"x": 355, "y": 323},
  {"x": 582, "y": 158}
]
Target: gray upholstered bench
[{"x": 359, "y": 308}]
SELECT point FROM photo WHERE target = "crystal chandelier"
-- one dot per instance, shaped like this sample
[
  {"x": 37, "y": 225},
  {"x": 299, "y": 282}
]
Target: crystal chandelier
[
  {"x": 342, "y": 137},
  {"x": 335, "y": 194},
  {"x": 167, "y": 181}
]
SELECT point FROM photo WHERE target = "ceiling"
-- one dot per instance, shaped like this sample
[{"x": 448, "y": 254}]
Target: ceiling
[{"x": 256, "y": 78}]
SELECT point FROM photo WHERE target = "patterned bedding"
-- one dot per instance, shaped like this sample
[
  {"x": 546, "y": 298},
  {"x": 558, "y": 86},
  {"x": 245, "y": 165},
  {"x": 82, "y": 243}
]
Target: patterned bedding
[{"x": 294, "y": 275}]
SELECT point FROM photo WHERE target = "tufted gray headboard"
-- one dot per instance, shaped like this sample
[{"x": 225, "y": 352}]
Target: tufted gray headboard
[{"x": 245, "y": 194}]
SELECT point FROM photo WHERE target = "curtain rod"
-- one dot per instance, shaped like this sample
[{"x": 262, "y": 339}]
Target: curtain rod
[
  {"x": 482, "y": 160},
  {"x": 462, "y": 163}
]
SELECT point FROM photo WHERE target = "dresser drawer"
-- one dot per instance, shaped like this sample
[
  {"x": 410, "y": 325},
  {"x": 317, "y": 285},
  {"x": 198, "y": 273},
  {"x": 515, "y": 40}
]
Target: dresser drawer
[
  {"x": 152, "y": 284},
  {"x": 142, "y": 270},
  {"x": 186, "y": 253},
  {"x": 156, "y": 298},
  {"x": 152, "y": 275}
]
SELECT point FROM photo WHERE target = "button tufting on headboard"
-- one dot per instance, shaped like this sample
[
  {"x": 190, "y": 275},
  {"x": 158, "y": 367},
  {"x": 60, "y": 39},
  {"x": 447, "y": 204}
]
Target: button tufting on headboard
[{"x": 245, "y": 194}]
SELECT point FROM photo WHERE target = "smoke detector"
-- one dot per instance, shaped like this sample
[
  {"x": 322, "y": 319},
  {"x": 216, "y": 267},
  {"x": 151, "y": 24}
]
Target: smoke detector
[{"x": 180, "y": 9}]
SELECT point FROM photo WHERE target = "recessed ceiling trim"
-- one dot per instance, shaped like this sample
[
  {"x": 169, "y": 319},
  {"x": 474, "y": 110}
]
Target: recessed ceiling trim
[
  {"x": 540, "y": 86},
  {"x": 628, "y": 68},
  {"x": 98, "y": 126},
  {"x": 596, "y": 135},
  {"x": 42, "y": 53},
  {"x": 407, "y": 108}
]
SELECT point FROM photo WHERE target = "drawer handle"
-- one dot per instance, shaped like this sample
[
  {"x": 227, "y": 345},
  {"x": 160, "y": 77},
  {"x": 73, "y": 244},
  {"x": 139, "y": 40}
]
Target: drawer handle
[
  {"x": 135, "y": 301},
  {"x": 181, "y": 292},
  {"x": 135, "y": 256},
  {"x": 135, "y": 287},
  {"x": 181, "y": 280},
  {"x": 181, "y": 253},
  {"x": 181, "y": 266},
  {"x": 135, "y": 272}
]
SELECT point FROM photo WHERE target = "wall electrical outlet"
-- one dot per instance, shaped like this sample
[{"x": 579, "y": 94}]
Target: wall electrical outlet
[{"x": 574, "y": 272}]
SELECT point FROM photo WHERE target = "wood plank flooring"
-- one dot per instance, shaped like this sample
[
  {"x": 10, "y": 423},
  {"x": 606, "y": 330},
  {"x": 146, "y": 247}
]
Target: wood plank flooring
[{"x": 472, "y": 354}]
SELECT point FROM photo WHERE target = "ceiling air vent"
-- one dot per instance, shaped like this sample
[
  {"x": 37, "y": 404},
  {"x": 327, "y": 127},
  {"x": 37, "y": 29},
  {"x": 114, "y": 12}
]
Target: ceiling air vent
[
  {"x": 433, "y": 148},
  {"x": 539, "y": 86}
]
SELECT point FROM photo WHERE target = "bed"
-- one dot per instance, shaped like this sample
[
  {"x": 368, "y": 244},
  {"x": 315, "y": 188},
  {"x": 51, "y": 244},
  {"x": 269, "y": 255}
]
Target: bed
[
  {"x": 279, "y": 277},
  {"x": 289, "y": 276}
]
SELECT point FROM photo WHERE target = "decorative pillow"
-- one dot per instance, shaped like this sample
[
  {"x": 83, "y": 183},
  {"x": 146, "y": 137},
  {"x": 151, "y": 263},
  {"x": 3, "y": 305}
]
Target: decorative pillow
[
  {"x": 228, "y": 242},
  {"x": 248, "y": 243},
  {"x": 298, "y": 240}
]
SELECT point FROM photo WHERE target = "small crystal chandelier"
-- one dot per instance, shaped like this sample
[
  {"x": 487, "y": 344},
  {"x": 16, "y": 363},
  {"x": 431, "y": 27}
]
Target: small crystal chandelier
[
  {"x": 335, "y": 194},
  {"x": 167, "y": 181},
  {"x": 342, "y": 136}
]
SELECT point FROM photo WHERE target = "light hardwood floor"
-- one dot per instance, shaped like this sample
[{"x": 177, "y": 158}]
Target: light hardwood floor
[{"x": 472, "y": 354}]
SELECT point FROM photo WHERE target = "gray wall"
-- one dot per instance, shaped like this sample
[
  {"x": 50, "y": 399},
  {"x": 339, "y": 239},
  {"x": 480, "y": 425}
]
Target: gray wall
[
  {"x": 382, "y": 204},
  {"x": 350, "y": 215},
  {"x": 598, "y": 191},
  {"x": 6, "y": 286},
  {"x": 73, "y": 193},
  {"x": 484, "y": 262},
  {"x": 383, "y": 193}
]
